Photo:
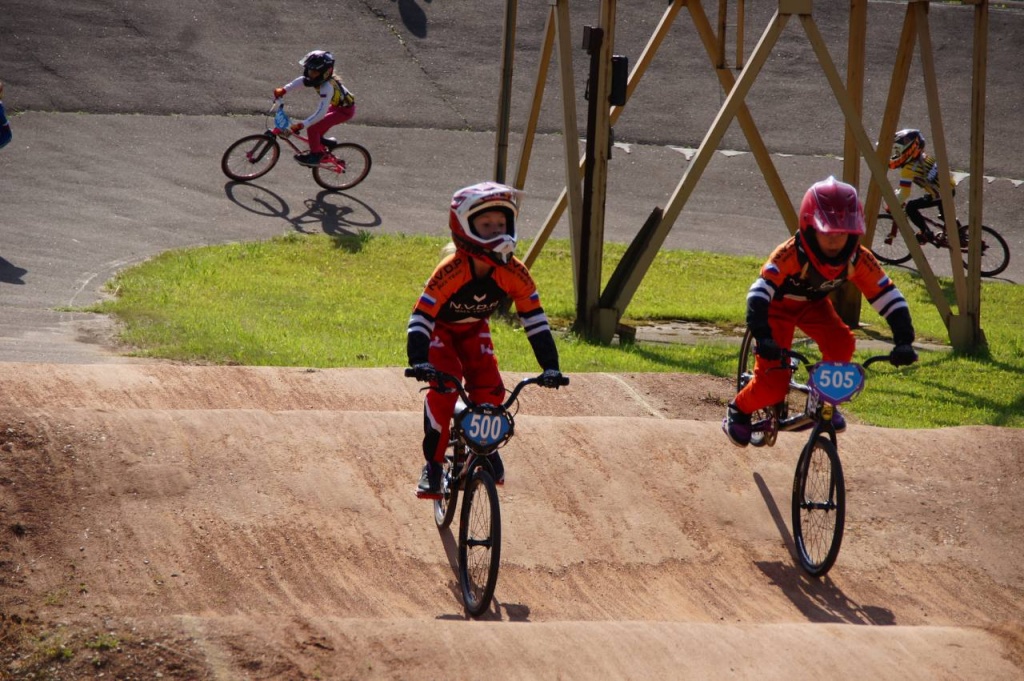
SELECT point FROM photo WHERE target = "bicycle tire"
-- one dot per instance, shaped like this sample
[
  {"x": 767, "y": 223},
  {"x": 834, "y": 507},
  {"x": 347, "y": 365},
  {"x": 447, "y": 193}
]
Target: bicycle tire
[
  {"x": 895, "y": 253},
  {"x": 744, "y": 373},
  {"x": 748, "y": 355},
  {"x": 479, "y": 542},
  {"x": 819, "y": 506},
  {"x": 356, "y": 162},
  {"x": 444, "y": 508},
  {"x": 995, "y": 253},
  {"x": 251, "y": 157}
]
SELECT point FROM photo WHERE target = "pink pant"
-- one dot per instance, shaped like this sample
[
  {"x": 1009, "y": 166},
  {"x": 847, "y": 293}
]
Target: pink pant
[{"x": 335, "y": 115}]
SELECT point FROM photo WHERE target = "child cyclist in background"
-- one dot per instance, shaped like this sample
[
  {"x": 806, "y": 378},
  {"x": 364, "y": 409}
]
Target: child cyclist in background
[
  {"x": 792, "y": 292},
  {"x": 448, "y": 329},
  {"x": 916, "y": 167},
  {"x": 337, "y": 104}
]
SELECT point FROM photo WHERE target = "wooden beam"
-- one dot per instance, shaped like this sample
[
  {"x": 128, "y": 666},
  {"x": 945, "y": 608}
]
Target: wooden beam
[
  {"x": 847, "y": 299},
  {"x": 526, "y": 149},
  {"x": 571, "y": 195},
  {"x": 877, "y": 169},
  {"x": 891, "y": 115},
  {"x": 931, "y": 89},
  {"x": 979, "y": 68},
  {"x": 634, "y": 79},
  {"x": 733, "y": 102},
  {"x": 745, "y": 119}
]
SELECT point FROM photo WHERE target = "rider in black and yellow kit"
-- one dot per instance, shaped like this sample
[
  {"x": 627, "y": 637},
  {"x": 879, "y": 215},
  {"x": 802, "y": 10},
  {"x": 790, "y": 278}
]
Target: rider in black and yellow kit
[{"x": 916, "y": 167}]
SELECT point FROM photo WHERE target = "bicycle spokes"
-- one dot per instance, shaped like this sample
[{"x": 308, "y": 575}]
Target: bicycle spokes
[{"x": 819, "y": 507}]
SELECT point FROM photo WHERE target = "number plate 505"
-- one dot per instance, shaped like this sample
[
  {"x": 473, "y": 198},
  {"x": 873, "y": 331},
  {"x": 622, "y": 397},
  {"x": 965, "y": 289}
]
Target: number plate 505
[{"x": 837, "y": 382}]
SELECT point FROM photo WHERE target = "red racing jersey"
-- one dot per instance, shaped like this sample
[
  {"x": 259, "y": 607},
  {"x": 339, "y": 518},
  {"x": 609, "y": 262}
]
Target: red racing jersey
[{"x": 454, "y": 295}]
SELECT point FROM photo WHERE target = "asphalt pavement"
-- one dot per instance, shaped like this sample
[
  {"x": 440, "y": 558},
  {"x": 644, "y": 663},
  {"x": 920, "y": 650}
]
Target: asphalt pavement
[{"x": 120, "y": 116}]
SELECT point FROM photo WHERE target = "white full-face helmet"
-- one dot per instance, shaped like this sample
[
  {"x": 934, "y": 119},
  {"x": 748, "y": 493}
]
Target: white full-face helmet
[{"x": 471, "y": 201}]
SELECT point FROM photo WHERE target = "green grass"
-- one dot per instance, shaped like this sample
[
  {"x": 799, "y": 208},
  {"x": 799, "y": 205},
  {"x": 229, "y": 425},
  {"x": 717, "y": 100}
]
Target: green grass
[{"x": 319, "y": 301}]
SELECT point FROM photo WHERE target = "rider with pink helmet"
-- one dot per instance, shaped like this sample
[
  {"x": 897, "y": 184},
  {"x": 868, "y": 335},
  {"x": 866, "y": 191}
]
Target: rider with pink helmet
[{"x": 792, "y": 293}]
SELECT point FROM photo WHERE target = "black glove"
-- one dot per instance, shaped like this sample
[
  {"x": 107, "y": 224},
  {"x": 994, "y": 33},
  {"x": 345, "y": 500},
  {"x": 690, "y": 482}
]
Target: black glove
[
  {"x": 903, "y": 355},
  {"x": 768, "y": 349},
  {"x": 551, "y": 378},
  {"x": 424, "y": 371}
]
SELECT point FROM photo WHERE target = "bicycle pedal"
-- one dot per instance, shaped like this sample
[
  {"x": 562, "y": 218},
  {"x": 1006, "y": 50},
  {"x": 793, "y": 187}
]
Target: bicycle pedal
[{"x": 429, "y": 495}]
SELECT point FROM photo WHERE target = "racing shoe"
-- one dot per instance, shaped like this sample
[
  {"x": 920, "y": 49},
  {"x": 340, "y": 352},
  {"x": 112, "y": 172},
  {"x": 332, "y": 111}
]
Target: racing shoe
[
  {"x": 309, "y": 159},
  {"x": 429, "y": 486},
  {"x": 736, "y": 426}
]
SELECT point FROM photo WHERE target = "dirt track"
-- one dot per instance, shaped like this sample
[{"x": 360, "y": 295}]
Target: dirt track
[{"x": 244, "y": 523}]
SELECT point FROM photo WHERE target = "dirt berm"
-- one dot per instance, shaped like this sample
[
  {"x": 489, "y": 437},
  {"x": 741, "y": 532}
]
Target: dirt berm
[{"x": 163, "y": 521}]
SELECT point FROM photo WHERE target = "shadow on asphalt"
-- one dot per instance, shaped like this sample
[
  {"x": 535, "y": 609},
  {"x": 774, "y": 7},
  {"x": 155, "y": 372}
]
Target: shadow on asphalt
[
  {"x": 11, "y": 273},
  {"x": 331, "y": 212}
]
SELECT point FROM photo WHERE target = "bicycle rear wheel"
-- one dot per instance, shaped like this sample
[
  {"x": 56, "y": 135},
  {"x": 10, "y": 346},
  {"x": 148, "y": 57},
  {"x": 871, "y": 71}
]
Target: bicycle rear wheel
[
  {"x": 444, "y": 508},
  {"x": 250, "y": 157},
  {"x": 479, "y": 542},
  {"x": 353, "y": 165},
  {"x": 795, "y": 397},
  {"x": 748, "y": 355},
  {"x": 995, "y": 254},
  {"x": 819, "y": 506},
  {"x": 888, "y": 245}
]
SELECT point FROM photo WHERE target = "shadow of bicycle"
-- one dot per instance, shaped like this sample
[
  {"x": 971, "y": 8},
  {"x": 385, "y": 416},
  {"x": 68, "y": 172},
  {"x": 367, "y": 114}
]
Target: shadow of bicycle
[
  {"x": 330, "y": 212},
  {"x": 819, "y": 600}
]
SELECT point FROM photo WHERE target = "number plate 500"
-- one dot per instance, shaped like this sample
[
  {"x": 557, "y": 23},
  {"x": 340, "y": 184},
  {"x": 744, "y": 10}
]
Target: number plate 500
[{"x": 485, "y": 429}]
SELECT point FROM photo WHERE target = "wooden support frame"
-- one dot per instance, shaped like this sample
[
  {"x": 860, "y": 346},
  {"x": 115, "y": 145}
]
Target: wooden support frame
[
  {"x": 965, "y": 330},
  {"x": 555, "y": 214}
]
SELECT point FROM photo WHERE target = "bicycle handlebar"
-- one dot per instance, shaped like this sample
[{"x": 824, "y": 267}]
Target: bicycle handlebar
[
  {"x": 442, "y": 378},
  {"x": 806, "y": 362}
]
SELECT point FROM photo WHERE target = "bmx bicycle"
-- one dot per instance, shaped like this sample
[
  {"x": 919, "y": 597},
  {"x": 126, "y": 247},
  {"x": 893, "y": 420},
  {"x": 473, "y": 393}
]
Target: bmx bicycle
[
  {"x": 344, "y": 164},
  {"x": 819, "y": 489},
  {"x": 889, "y": 246},
  {"x": 477, "y": 432}
]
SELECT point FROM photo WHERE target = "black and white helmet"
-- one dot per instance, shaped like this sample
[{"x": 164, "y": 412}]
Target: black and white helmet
[{"x": 320, "y": 61}]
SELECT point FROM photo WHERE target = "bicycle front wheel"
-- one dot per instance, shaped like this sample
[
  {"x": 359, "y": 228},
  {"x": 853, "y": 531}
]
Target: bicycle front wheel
[
  {"x": 819, "y": 506},
  {"x": 889, "y": 246},
  {"x": 479, "y": 542},
  {"x": 350, "y": 167},
  {"x": 250, "y": 157}
]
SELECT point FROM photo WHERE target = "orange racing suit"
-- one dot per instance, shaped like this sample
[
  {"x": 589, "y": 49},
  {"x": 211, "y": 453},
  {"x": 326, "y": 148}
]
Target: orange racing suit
[
  {"x": 792, "y": 294},
  {"x": 449, "y": 328}
]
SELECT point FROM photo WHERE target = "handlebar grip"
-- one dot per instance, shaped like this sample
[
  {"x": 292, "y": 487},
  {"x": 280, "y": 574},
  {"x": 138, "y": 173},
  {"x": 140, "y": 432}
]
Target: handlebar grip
[
  {"x": 796, "y": 355},
  {"x": 410, "y": 373}
]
